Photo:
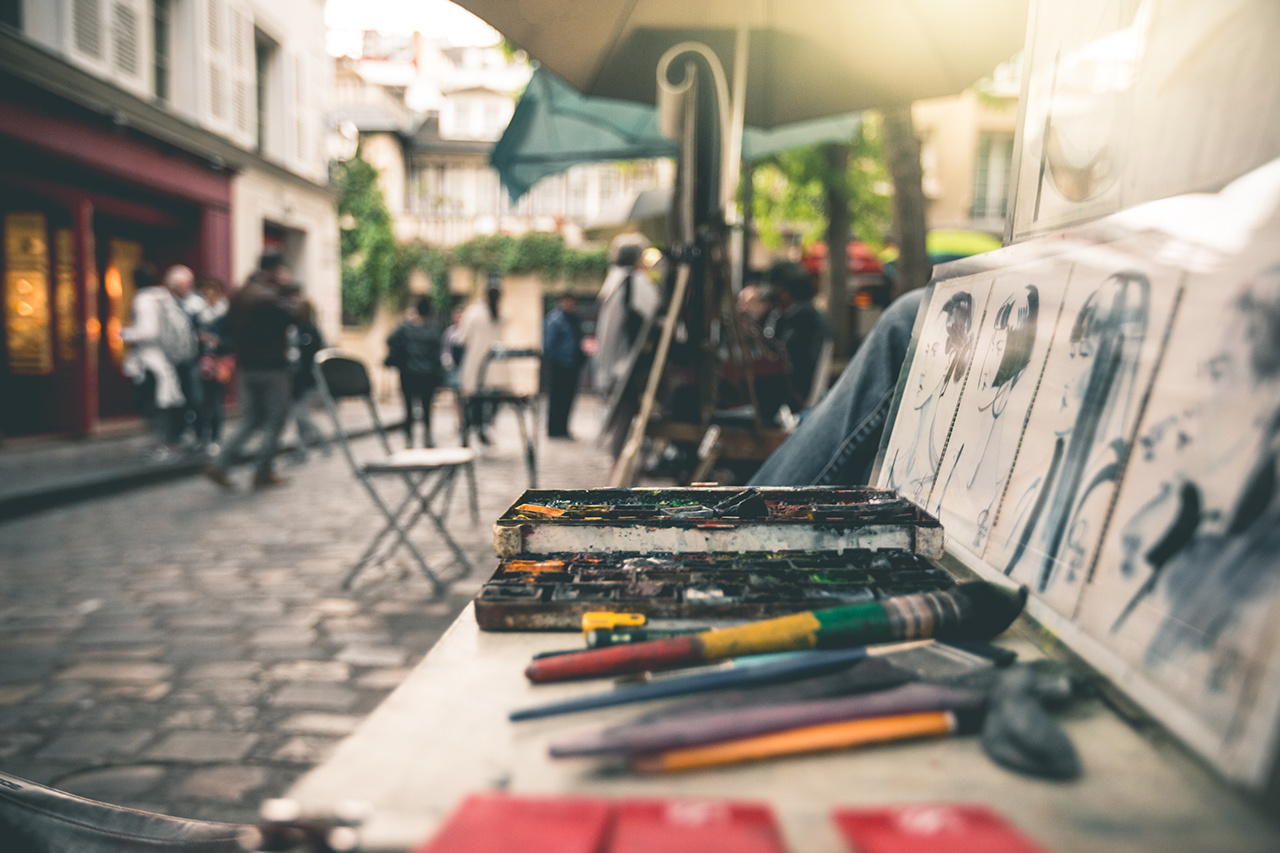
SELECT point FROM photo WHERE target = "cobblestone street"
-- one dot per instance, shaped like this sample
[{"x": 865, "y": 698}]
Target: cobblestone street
[{"x": 183, "y": 650}]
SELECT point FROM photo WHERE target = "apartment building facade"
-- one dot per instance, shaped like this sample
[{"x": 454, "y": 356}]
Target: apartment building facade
[{"x": 172, "y": 131}]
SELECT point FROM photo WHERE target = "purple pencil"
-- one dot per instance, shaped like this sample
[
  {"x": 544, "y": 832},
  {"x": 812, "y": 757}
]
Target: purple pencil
[{"x": 713, "y": 726}]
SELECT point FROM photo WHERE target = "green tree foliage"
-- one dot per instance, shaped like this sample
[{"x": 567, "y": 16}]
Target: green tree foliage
[
  {"x": 433, "y": 262},
  {"x": 791, "y": 191},
  {"x": 533, "y": 252},
  {"x": 369, "y": 253}
]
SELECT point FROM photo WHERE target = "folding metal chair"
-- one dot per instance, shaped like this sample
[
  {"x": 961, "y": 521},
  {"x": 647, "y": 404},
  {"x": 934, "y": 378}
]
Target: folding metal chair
[
  {"x": 429, "y": 473},
  {"x": 524, "y": 405}
]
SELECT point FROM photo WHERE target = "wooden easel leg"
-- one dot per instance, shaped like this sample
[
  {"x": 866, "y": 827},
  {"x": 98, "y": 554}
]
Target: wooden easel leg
[{"x": 624, "y": 470}]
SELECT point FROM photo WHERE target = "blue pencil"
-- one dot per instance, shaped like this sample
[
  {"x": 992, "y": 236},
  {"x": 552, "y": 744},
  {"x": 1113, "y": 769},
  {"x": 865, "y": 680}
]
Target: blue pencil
[{"x": 801, "y": 665}]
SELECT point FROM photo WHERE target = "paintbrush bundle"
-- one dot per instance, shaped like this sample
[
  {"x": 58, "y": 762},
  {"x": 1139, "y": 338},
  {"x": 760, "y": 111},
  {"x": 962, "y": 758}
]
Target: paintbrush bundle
[
  {"x": 552, "y": 591},
  {"x": 714, "y": 519}
]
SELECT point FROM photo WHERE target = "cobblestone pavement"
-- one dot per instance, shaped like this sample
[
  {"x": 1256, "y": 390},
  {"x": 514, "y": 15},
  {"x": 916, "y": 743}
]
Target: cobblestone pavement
[{"x": 187, "y": 651}]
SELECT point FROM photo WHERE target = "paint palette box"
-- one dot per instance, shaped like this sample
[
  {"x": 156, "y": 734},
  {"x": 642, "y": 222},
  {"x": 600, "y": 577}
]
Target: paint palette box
[
  {"x": 714, "y": 519},
  {"x": 551, "y": 592}
]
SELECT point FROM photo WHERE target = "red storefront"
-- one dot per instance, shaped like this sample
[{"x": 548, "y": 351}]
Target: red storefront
[{"x": 84, "y": 197}]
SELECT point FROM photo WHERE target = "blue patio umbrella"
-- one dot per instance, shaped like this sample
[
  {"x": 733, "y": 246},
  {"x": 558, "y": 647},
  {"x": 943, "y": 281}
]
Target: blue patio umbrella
[{"x": 555, "y": 126}]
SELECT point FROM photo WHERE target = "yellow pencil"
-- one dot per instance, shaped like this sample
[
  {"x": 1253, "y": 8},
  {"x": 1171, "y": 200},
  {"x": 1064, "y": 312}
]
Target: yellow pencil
[{"x": 828, "y": 736}]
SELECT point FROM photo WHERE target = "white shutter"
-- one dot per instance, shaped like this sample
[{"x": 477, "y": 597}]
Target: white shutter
[
  {"x": 88, "y": 37},
  {"x": 131, "y": 43},
  {"x": 217, "y": 92},
  {"x": 244, "y": 107},
  {"x": 299, "y": 109}
]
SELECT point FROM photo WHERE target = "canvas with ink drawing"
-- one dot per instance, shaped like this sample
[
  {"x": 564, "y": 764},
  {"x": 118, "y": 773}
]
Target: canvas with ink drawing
[
  {"x": 929, "y": 390},
  {"x": 1009, "y": 355},
  {"x": 1188, "y": 586},
  {"x": 1108, "y": 341}
]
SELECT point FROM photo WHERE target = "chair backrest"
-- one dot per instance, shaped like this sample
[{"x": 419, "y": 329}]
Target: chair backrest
[
  {"x": 341, "y": 376},
  {"x": 502, "y": 352},
  {"x": 344, "y": 375}
]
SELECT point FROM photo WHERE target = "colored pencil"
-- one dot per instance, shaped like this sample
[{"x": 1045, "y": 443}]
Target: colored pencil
[
  {"x": 829, "y": 736},
  {"x": 773, "y": 671},
  {"x": 976, "y": 610},
  {"x": 698, "y": 729}
]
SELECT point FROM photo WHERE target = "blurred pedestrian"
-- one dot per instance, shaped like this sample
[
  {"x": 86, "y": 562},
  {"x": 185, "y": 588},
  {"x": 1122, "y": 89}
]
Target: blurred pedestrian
[
  {"x": 479, "y": 328},
  {"x": 217, "y": 363},
  {"x": 163, "y": 344},
  {"x": 305, "y": 341},
  {"x": 628, "y": 300},
  {"x": 800, "y": 327},
  {"x": 451, "y": 351},
  {"x": 414, "y": 349},
  {"x": 258, "y": 319},
  {"x": 562, "y": 357},
  {"x": 186, "y": 429}
]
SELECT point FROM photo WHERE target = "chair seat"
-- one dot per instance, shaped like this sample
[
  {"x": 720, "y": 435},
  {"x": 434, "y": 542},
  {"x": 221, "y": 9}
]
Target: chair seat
[{"x": 423, "y": 459}]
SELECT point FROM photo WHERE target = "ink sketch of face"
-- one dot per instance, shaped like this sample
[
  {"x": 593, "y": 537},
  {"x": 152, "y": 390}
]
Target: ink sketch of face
[
  {"x": 1009, "y": 352},
  {"x": 1240, "y": 417},
  {"x": 945, "y": 347}
]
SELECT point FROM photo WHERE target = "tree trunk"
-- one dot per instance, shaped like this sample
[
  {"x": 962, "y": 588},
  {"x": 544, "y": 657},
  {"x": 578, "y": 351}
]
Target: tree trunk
[
  {"x": 837, "y": 162},
  {"x": 902, "y": 149}
]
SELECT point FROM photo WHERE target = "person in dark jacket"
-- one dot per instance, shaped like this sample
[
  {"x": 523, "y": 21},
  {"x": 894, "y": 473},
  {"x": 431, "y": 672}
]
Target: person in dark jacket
[
  {"x": 258, "y": 321},
  {"x": 414, "y": 349},
  {"x": 801, "y": 328},
  {"x": 562, "y": 356}
]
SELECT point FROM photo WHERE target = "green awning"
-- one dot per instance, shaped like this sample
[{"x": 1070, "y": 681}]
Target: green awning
[{"x": 555, "y": 126}]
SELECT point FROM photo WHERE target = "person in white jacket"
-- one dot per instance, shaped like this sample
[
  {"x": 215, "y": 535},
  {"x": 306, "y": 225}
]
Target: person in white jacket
[{"x": 161, "y": 338}]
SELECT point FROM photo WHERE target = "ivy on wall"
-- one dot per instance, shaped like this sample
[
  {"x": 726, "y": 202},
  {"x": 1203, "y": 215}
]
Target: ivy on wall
[
  {"x": 367, "y": 242},
  {"x": 377, "y": 271}
]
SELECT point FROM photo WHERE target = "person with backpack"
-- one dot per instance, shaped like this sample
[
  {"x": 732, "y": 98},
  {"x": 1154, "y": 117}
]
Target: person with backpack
[
  {"x": 162, "y": 354},
  {"x": 414, "y": 350},
  {"x": 628, "y": 299}
]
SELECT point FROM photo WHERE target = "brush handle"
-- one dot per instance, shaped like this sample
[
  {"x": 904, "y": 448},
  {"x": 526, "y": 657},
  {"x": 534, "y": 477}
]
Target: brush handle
[
  {"x": 830, "y": 736},
  {"x": 976, "y": 610},
  {"x": 698, "y": 729},
  {"x": 853, "y": 625},
  {"x": 671, "y": 653}
]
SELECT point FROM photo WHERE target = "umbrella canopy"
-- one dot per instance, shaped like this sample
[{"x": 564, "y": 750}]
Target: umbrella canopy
[
  {"x": 646, "y": 212},
  {"x": 808, "y": 58},
  {"x": 555, "y": 126}
]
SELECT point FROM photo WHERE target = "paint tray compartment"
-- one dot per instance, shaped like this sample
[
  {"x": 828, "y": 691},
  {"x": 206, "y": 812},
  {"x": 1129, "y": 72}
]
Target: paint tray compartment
[
  {"x": 714, "y": 519},
  {"x": 702, "y": 586}
]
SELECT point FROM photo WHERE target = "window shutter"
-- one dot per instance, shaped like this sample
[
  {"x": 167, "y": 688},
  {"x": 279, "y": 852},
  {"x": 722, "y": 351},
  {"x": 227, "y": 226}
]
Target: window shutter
[
  {"x": 299, "y": 110},
  {"x": 86, "y": 28},
  {"x": 126, "y": 36},
  {"x": 216, "y": 59},
  {"x": 243, "y": 94}
]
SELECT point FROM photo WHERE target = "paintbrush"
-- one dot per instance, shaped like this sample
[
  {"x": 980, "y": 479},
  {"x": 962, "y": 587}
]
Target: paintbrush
[
  {"x": 820, "y": 738},
  {"x": 970, "y": 611},
  {"x": 698, "y": 729},
  {"x": 742, "y": 675}
]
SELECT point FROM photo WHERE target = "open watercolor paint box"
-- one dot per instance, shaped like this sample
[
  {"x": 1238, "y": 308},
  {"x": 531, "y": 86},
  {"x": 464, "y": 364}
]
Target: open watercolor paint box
[
  {"x": 703, "y": 554},
  {"x": 714, "y": 518}
]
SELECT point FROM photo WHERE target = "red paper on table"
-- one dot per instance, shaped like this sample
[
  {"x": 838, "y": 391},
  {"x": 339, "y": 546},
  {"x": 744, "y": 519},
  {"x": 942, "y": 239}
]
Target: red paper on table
[
  {"x": 497, "y": 823},
  {"x": 694, "y": 826},
  {"x": 927, "y": 828}
]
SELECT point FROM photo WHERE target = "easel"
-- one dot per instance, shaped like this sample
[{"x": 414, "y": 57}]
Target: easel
[{"x": 700, "y": 265}]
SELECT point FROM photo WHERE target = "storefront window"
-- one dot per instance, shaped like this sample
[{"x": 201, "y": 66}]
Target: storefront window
[
  {"x": 65, "y": 293},
  {"x": 123, "y": 257},
  {"x": 28, "y": 325}
]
